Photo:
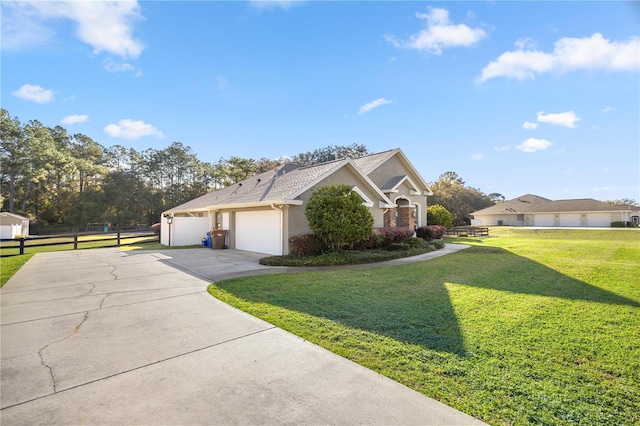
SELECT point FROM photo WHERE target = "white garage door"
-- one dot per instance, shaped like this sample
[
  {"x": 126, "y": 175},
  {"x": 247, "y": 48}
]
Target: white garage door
[
  {"x": 259, "y": 231},
  {"x": 543, "y": 220},
  {"x": 599, "y": 219},
  {"x": 569, "y": 219}
]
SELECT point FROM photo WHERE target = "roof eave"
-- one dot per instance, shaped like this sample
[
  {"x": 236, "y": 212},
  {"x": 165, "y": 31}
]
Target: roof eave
[{"x": 235, "y": 206}]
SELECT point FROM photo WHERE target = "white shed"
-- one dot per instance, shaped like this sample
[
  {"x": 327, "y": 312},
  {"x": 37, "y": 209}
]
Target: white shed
[{"x": 12, "y": 225}]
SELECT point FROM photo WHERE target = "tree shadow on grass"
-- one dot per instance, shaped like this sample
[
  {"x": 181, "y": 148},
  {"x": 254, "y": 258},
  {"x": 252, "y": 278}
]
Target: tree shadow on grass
[{"x": 410, "y": 303}]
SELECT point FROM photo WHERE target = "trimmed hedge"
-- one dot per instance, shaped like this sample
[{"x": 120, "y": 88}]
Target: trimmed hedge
[
  {"x": 431, "y": 232},
  {"x": 416, "y": 243},
  {"x": 380, "y": 238},
  {"x": 305, "y": 245},
  {"x": 438, "y": 244},
  {"x": 623, "y": 225},
  {"x": 384, "y": 237}
]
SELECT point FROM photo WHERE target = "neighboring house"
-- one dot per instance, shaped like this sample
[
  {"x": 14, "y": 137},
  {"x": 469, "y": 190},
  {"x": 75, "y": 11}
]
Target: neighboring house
[
  {"x": 532, "y": 210},
  {"x": 263, "y": 212},
  {"x": 12, "y": 225}
]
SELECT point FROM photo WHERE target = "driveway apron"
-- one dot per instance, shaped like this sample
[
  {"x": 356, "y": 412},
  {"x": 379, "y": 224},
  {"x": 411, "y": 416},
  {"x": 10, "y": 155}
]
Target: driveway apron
[{"x": 112, "y": 337}]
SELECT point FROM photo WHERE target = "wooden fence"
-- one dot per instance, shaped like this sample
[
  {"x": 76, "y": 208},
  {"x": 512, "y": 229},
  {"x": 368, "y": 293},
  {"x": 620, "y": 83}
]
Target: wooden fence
[
  {"x": 119, "y": 239},
  {"x": 471, "y": 231}
]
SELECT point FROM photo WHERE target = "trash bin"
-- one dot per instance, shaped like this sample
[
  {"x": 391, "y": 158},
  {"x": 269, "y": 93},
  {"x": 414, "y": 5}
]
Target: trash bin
[
  {"x": 219, "y": 239},
  {"x": 205, "y": 242},
  {"x": 209, "y": 241}
]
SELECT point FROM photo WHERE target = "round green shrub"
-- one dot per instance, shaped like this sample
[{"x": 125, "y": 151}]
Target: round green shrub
[
  {"x": 338, "y": 218},
  {"x": 438, "y": 215},
  {"x": 398, "y": 247},
  {"x": 438, "y": 244},
  {"x": 416, "y": 243}
]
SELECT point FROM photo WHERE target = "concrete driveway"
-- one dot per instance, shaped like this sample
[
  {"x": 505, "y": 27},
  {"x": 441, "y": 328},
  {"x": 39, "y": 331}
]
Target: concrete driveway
[{"x": 112, "y": 337}]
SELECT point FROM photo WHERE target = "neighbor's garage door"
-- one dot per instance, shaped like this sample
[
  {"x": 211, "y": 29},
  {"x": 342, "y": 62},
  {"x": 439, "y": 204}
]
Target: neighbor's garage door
[
  {"x": 543, "y": 220},
  {"x": 569, "y": 219},
  {"x": 599, "y": 219},
  {"x": 259, "y": 231}
]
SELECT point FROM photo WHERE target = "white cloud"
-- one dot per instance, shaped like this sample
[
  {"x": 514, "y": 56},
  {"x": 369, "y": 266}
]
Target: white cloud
[
  {"x": 440, "y": 33},
  {"x": 608, "y": 109},
  {"x": 275, "y": 4},
  {"x": 478, "y": 156},
  {"x": 22, "y": 26},
  {"x": 569, "y": 54},
  {"x": 533, "y": 145},
  {"x": 34, "y": 93},
  {"x": 502, "y": 148},
  {"x": 74, "y": 119},
  {"x": 105, "y": 25},
  {"x": 373, "y": 104},
  {"x": 566, "y": 119},
  {"x": 525, "y": 43},
  {"x": 529, "y": 125},
  {"x": 132, "y": 129},
  {"x": 114, "y": 67}
]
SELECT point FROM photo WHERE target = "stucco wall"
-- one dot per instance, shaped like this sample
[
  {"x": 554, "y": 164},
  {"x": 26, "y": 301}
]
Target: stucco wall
[
  {"x": 298, "y": 222},
  {"x": 395, "y": 167}
]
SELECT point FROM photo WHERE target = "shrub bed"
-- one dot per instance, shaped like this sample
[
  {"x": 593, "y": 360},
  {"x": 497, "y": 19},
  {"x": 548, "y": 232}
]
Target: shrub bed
[
  {"x": 384, "y": 237},
  {"x": 623, "y": 225},
  {"x": 305, "y": 245},
  {"x": 431, "y": 232},
  {"x": 344, "y": 257}
]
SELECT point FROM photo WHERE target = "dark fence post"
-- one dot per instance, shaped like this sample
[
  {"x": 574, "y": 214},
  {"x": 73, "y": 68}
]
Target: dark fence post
[
  {"x": 118, "y": 238},
  {"x": 75, "y": 241},
  {"x": 21, "y": 245}
]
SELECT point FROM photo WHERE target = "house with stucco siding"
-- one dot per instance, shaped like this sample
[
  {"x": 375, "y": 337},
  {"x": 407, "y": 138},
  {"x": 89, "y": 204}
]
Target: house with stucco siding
[{"x": 263, "y": 212}]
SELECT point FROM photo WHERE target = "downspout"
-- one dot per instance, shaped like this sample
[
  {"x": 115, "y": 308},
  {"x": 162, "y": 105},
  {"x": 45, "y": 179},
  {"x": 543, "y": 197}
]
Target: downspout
[{"x": 281, "y": 208}]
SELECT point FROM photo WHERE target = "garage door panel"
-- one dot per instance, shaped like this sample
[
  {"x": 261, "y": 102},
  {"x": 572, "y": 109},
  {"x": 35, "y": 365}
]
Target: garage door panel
[
  {"x": 259, "y": 231},
  {"x": 569, "y": 219},
  {"x": 599, "y": 219},
  {"x": 543, "y": 220}
]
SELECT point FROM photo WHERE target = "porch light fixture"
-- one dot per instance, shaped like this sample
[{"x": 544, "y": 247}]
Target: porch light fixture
[{"x": 169, "y": 221}]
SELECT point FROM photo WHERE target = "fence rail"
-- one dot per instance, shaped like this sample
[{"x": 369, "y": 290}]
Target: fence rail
[
  {"x": 118, "y": 237},
  {"x": 88, "y": 229},
  {"x": 471, "y": 231}
]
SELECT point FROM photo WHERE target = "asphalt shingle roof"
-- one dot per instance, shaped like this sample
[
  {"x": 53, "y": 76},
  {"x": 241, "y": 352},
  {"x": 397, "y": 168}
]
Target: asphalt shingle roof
[
  {"x": 276, "y": 185},
  {"x": 371, "y": 162}
]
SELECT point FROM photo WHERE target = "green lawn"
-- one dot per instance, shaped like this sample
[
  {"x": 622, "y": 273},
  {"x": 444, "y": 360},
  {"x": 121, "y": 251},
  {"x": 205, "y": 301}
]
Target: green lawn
[{"x": 525, "y": 327}]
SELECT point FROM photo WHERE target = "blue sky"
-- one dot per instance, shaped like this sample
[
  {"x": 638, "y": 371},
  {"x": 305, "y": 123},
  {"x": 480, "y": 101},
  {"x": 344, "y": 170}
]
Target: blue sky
[{"x": 515, "y": 97}]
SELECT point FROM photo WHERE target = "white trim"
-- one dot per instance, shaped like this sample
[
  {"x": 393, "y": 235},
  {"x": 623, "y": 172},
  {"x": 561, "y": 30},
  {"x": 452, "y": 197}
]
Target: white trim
[
  {"x": 236, "y": 206},
  {"x": 407, "y": 163},
  {"x": 366, "y": 201}
]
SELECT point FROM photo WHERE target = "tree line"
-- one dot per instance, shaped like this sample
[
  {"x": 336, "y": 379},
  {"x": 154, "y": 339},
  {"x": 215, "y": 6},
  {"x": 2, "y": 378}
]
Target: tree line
[{"x": 63, "y": 179}]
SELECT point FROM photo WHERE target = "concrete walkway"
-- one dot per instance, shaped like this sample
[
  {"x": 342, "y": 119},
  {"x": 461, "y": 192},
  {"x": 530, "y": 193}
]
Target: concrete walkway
[{"x": 112, "y": 337}]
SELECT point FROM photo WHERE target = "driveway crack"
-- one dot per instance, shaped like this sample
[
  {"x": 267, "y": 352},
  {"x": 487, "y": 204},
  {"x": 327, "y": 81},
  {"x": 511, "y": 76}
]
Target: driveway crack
[
  {"x": 93, "y": 287},
  {"x": 77, "y": 328},
  {"x": 103, "y": 299},
  {"x": 75, "y": 331},
  {"x": 51, "y": 376},
  {"x": 113, "y": 272}
]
